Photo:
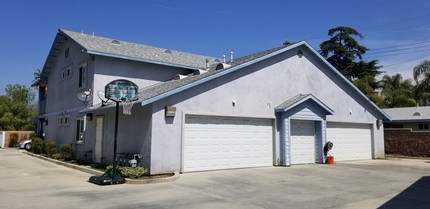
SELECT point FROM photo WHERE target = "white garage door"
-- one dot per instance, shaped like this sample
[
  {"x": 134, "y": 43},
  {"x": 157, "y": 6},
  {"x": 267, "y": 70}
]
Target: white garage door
[
  {"x": 212, "y": 143},
  {"x": 302, "y": 142},
  {"x": 350, "y": 141}
]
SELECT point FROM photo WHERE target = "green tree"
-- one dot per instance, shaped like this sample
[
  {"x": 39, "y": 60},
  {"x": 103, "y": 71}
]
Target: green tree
[
  {"x": 16, "y": 110},
  {"x": 36, "y": 80},
  {"x": 421, "y": 69},
  {"x": 397, "y": 92},
  {"x": 421, "y": 74},
  {"x": 368, "y": 86},
  {"x": 345, "y": 53}
]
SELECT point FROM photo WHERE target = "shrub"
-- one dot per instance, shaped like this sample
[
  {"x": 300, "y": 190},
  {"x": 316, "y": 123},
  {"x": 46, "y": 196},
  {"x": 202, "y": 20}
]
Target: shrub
[
  {"x": 33, "y": 135},
  {"x": 50, "y": 148},
  {"x": 66, "y": 152},
  {"x": 38, "y": 145},
  {"x": 13, "y": 140},
  {"x": 130, "y": 172},
  {"x": 56, "y": 156}
]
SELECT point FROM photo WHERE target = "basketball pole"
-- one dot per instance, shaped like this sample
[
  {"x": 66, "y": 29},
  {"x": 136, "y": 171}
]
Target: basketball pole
[{"x": 115, "y": 140}]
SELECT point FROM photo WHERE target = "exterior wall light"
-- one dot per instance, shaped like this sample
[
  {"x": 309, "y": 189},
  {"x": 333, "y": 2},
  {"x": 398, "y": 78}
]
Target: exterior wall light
[{"x": 170, "y": 111}]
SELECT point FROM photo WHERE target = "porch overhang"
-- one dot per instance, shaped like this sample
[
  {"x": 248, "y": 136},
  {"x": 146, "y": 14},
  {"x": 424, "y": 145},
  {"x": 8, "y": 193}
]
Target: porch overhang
[{"x": 301, "y": 98}]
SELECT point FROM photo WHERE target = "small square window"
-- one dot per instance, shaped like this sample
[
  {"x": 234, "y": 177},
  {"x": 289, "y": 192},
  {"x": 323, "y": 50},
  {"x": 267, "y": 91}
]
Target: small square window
[
  {"x": 60, "y": 120},
  {"x": 67, "y": 120}
]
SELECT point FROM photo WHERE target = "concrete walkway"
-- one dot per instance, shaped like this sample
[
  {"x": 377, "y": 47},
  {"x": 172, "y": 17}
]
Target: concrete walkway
[{"x": 28, "y": 182}]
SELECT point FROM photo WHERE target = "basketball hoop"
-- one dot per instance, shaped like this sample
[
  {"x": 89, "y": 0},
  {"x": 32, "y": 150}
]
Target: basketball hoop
[
  {"x": 126, "y": 107},
  {"x": 124, "y": 92}
]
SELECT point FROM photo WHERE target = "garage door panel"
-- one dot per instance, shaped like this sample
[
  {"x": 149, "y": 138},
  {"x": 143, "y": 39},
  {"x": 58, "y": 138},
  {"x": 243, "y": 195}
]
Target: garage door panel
[
  {"x": 212, "y": 143},
  {"x": 302, "y": 142},
  {"x": 350, "y": 141}
]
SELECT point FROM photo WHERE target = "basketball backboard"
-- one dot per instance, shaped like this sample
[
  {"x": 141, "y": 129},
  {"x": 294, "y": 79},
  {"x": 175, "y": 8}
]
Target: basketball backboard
[{"x": 121, "y": 90}]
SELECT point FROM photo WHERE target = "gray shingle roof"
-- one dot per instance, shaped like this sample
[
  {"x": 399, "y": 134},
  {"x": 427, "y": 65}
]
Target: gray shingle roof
[
  {"x": 299, "y": 99},
  {"x": 127, "y": 50},
  {"x": 153, "y": 91},
  {"x": 292, "y": 101},
  {"x": 408, "y": 113}
]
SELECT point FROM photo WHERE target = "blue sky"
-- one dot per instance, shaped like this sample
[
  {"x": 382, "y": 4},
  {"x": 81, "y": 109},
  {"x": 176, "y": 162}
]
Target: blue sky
[{"x": 396, "y": 32}]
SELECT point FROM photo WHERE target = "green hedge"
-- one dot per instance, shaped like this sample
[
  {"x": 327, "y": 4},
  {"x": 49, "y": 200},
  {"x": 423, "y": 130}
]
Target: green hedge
[
  {"x": 38, "y": 145},
  {"x": 130, "y": 172},
  {"x": 50, "y": 148},
  {"x": 66, "y": 151}
]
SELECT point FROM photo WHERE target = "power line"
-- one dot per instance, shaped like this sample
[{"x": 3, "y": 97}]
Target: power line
[
  {"x": 389, "y": 47},
  {"x": 396, "y": 50},
  {"x": 400, "y": 53}
]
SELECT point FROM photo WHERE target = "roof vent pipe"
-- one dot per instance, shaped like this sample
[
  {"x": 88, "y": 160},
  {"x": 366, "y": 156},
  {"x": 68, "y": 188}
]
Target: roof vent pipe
[
  {"x": 179, "y": 77},
  {"x": 223, "y": 58},
  {"x": 207, "y": 63},
  {"x": 231, "y": 56}
]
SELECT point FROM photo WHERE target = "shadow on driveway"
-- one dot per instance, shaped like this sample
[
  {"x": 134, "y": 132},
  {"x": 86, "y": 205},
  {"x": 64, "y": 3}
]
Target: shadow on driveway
[{"x": 415, "y": 196}]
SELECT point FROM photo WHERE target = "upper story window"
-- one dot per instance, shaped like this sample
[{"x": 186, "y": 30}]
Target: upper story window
[
  {"x": 66, "y": 72},
  {"x": 60, "y": 120},
  {"x": 66, "y": 53},
  {"x": 82, "y": 75}
]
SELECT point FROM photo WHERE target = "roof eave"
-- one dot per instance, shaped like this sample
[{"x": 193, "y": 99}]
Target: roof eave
[
  {"x": 311, "y": 97},
  {"x": 140, "y": 60},
  {"x": 385, "y": 115}
]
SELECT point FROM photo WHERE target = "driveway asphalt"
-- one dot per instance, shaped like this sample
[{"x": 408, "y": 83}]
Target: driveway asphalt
[{"x": 29, "y": 182}]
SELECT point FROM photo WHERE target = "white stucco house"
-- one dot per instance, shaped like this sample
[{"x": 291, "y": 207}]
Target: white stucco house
[{"x": 272, "y": 108}]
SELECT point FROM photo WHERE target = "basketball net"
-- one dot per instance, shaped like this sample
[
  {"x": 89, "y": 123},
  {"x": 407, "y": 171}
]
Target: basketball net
[{"x": 126, "y": 107}]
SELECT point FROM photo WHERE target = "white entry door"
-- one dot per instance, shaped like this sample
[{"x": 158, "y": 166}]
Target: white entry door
[
  {"x": 350, "y": 141},
  {"x": 302, "y": 142},
  {"x": 212, "y": 143},
  {"x": 99, "y": 140}
]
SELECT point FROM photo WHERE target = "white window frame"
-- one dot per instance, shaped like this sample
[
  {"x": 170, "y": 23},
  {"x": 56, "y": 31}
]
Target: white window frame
[
  {"x": 66, "y": 120},
  {"x": 60, "y": 120},
  {"x": 66, "y": 73},
  {"x": 80, "y": 130}
]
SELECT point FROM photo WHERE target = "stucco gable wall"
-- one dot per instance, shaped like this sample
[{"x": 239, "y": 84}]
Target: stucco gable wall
[
  {"x": 256, "y": 90},
  {"x": 57, "y": 87},
  {"x": 107, "y": 69}
]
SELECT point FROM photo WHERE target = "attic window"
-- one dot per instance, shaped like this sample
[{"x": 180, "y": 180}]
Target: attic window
[
  {"x": 167, "y": 51},
  {"x": 115, "y": 42},
  {"x": 417, "y": 114}
]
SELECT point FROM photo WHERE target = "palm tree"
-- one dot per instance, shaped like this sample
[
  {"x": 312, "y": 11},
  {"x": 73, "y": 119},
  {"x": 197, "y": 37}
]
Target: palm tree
[
  {"x": 368, "y": 86},
  {"x": 421, "y": 69},
  {"x": 422, "y": 90},
  {"x": 36, "y": 80},
  {"x": 422, "y": 78},
  {"x": 397, "y": 92}
]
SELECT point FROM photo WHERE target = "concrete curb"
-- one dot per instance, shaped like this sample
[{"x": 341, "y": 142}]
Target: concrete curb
[{"x": 91, "y": 171}]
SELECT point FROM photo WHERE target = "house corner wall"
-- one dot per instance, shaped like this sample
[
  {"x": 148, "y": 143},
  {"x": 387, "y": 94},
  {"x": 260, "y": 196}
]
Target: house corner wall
[{"x": 378, "y": 151}]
